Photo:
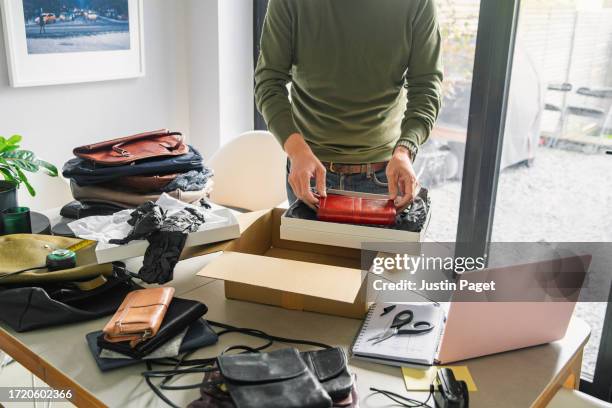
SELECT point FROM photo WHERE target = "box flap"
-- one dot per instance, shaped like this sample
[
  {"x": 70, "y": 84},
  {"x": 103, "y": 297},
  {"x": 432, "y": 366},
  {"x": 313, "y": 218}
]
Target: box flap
[
  {"x": 245, "y": 221},
  {"x": 323, "y": 281}
]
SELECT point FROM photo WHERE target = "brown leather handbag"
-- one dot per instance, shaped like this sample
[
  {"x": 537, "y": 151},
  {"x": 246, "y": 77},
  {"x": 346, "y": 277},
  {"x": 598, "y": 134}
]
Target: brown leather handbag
[{"x": 126, "y": 150}]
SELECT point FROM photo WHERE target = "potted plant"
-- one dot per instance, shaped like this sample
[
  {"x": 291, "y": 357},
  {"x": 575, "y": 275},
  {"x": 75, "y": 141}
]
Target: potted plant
[{"x": 14, "y": 163}]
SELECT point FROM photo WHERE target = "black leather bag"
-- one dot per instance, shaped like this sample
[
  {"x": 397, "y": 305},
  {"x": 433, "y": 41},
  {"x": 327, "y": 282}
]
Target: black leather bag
[
  {"x": 33, "y": 307},
  {"x": 329, "y": 366},
  {"x": 279, "y": 379}
]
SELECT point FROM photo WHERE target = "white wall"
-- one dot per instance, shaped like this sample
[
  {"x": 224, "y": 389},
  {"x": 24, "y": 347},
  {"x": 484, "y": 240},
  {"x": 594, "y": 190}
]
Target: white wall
[
  {"x": 221, "y": 60},
  {"x": 203, "y": 63},
  {"x": 236, "y": 68},
  {"x": 199, "y": 80}
]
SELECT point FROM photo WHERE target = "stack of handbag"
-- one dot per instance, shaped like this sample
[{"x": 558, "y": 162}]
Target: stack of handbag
[
  {"x": 34, "y": 295},
  {"x": 283, "y": 378},
  {"x": 150, "y": 324},
  {"x": 109, "y": 176}
]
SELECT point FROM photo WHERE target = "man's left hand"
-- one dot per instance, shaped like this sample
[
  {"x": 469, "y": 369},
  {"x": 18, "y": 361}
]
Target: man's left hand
[{"x": 403, "y": 183}]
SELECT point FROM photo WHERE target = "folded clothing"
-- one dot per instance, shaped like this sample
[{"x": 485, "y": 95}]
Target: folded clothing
[
  {"x": 85, "y": 172},
  {"x": 124, "y": 198},
  {"x": 194, "y": 180},
  {"x": 180, "y": 314},
  {"x": 144, "y": 184},
  {"x": 199, "y": 334}
]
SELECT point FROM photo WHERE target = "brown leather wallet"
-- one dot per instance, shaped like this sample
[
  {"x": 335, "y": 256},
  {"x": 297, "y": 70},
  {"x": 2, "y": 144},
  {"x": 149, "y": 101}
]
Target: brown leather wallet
[
  {"x": 139, "y": 316},
  {"x": 356, "y": 210}
]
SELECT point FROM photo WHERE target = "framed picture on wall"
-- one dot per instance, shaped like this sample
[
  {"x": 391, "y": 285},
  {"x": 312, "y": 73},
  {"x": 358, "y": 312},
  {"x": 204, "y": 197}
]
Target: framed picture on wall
[{"x": 66, "y": 41}]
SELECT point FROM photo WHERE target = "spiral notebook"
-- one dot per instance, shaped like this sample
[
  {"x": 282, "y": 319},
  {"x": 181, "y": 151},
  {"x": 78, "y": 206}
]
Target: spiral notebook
[{"x": 403, "y": 348}]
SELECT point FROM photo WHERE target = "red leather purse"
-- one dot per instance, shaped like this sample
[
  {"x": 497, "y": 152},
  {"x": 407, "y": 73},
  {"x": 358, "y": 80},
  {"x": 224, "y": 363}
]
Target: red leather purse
[
  {"x": 356, "y": 210},
  {"x": 125, "y": 150}
]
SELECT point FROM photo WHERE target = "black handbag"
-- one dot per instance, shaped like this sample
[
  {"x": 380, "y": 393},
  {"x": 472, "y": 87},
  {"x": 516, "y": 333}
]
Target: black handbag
[
  {"x": 330, "y": 368},
  {"x": 279, "y": 379},
  {"x": 180, "y": 315},
  {"x": 33, "y": 307}
]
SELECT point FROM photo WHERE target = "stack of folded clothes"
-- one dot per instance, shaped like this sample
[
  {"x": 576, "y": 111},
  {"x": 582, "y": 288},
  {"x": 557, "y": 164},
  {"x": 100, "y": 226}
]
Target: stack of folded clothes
[
  {"x": 126, "y": 172},
  {"x": 150, "y": 324}
]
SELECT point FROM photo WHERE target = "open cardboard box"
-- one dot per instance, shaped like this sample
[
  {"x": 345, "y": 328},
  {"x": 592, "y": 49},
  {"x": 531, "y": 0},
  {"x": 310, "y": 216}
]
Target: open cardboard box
[{"x": 263, "y": 268}]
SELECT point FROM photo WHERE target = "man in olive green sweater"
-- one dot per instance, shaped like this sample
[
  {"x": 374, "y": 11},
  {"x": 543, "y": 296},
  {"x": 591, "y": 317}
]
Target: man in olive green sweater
[{"x": 365, "y": 91}]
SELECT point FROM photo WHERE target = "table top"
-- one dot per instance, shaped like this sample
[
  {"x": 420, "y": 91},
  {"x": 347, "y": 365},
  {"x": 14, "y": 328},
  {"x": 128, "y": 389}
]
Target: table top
[{"x": 511, "y": 379}]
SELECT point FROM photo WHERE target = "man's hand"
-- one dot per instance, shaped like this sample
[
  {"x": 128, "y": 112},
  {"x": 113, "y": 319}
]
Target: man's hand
[
  {"x": 403, "y": 183},
  {"x": 304, "y": 166}
]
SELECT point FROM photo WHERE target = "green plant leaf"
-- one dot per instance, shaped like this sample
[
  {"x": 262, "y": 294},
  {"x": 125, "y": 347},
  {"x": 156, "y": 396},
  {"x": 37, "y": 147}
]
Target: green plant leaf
[
  {"x": 21, "y": 154},
  {"x": 8, "y": 175},
  {"x": 23, "y": 159},
  {"x": 14, "y": 140},
  {"x": 9, "y": 144},
  {"x": 48, "y": 168},
  {"x": 9, "y": 148},
  {"x": 26, "y": 182}
]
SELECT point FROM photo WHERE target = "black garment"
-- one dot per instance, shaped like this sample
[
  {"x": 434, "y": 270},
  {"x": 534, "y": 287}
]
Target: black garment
[
  {"x": 77, "y": 210},
  {"x": 86, "y": 173},
  {"x": 145, "y": 220},
  {"x": 166, "y": 236}
]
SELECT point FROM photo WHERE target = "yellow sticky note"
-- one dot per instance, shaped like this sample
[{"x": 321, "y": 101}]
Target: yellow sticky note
[{"x": 419, "y": 379}]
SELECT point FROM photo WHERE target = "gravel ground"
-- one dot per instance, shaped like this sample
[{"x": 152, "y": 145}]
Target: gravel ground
[{"x": 564, "y": 196}]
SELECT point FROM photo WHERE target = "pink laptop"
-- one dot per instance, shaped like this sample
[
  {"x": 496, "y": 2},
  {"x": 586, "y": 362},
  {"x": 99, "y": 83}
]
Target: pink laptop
[{"x": 547, "y": 293}]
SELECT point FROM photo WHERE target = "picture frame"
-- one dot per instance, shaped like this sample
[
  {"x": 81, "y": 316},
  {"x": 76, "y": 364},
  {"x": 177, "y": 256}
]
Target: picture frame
[{"x": 75, "y": 45}]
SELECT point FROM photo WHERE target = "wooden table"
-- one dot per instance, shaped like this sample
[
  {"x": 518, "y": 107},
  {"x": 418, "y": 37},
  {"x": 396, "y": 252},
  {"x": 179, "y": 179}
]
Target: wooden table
[{"x": 60, "y": 357}]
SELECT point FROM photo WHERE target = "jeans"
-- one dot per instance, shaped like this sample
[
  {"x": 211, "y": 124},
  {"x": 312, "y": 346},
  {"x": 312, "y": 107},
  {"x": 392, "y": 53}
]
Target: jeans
[{"x": 375, "y": 182}]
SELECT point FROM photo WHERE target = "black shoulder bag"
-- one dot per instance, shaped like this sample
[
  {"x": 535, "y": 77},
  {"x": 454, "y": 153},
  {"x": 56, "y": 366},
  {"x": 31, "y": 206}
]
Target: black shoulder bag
[{"x": 282, "y": 378}]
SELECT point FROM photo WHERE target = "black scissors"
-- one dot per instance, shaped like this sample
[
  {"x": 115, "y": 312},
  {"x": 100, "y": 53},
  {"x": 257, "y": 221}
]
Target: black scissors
[{"x": 402, "y": 324}]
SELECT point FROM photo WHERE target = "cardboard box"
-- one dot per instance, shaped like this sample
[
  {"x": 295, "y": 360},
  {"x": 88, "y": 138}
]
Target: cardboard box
[
  {"x": 347, "y": 235},
  {"x": 208, "y": 233},
  {"x": 263, "y": 268}
]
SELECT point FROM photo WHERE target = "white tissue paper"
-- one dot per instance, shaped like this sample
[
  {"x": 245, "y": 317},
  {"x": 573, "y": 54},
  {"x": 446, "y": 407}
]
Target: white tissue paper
[{"x": 103, "y": 228}]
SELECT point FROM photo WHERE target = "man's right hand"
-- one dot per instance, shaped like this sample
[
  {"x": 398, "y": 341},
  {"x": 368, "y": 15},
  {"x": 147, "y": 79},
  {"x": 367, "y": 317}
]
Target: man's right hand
[{"x": 304, "y": 166}]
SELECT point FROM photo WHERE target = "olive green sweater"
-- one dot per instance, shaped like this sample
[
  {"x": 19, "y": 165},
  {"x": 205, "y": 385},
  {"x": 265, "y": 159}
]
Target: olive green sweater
[{"x": 365, "y": 75}]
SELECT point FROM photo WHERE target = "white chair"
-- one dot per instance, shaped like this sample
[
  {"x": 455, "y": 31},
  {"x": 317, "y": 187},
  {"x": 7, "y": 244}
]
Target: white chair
[
  {"x": 249, "y": 172},
  {"x": 567, "y": 398}
]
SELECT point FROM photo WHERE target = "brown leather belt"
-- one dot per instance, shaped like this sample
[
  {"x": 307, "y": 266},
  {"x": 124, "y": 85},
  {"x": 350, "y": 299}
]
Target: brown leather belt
[{"x": 340, "y": 168}]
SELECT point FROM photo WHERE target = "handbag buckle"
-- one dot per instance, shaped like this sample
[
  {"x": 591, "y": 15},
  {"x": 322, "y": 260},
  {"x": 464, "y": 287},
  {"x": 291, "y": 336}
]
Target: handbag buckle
[{"x": 122, "y": 152}]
